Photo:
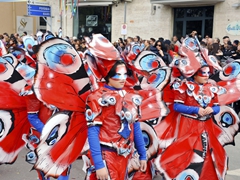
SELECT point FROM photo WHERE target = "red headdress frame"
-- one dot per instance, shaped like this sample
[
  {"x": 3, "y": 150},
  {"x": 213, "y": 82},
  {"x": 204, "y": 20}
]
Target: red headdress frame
[{"x": 104, "y": 52}]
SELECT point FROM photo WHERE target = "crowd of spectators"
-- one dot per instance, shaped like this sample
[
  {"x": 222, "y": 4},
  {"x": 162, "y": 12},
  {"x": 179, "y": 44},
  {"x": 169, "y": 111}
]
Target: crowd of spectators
[{"x": 225, "y": 50}]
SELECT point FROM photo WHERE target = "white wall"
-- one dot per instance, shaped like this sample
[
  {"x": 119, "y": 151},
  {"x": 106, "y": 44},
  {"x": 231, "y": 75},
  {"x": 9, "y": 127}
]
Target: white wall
[
  {"x": 145, "y": 23},
  {"x": 224, "y": 14},
  {"x": 142, "y": 21}
]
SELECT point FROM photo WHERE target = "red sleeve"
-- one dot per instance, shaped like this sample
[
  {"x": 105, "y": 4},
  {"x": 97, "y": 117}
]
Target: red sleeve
[
  {"x": 33, "y": 104},
  {"x": 180, "y": 93}
]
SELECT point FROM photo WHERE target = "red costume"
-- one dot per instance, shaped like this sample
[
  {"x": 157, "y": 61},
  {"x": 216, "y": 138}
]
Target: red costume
[
  {"x": 115, "y": 111},
  {"x": 196, "y": 152}
]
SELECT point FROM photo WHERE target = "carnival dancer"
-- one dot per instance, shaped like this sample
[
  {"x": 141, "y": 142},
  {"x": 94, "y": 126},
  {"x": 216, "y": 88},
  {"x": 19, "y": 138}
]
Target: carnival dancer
[
  {"x": 193, "y": 135},
  {"x": 38, "y": 115},
  {"x": 113, "y": 129},
  {"x": 60, "y": 82},
  {"x": 13, "y": 112},
  {"x": 196, "y": 149}
]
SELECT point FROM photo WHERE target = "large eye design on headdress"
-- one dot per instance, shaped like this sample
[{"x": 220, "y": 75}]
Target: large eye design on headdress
[
  {"x": 60, "y": 56},
  {"x": 19, "y": 55},
  {"x": 191, "y": 44},
  {"x": 230, "y": 71},
  {"x": 148, "y": 61},
  {"x": 6, "y": 69},
  {"x": 29, "y": 43},
  {"x": 6, "y": 123}
]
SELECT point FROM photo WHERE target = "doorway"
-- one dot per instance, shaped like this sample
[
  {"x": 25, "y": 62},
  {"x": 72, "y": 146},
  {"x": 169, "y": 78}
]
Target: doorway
[
  {"x": 198, "y": 19},
  {"x": 93, "y": 19}
]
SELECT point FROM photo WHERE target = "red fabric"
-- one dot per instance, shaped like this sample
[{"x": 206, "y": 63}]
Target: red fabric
[
  {"x": 179, "y": 155},
  {"x": 10, "y": 99},
  {"x": 176, "y": 48},
  {"x": 110, "y": 121},
  {"x": 60, "y": 90},
  {"x": 116, "y": 165},
  {"x": 147, "y": 175},
  {"x": 76, "y": 137}
]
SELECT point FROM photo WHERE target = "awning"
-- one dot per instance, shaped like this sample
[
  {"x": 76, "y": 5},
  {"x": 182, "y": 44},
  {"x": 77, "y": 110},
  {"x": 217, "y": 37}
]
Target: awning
[
  {"x": 13, "y": 1},
  {"x": 177, "y": 3},
  {"x": 95, "y": 3}
]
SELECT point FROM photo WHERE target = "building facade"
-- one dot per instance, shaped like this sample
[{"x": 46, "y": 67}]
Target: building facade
[{"x": 123, "y": 18}]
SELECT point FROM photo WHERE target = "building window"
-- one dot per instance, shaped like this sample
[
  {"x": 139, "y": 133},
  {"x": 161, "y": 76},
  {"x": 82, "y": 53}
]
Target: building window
[
  {"x": 42, "y": 24},
  {"x": 190, "y": 19}
]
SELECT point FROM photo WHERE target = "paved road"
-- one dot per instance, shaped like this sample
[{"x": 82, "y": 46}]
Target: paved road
[{"x": 20, "y": 170}]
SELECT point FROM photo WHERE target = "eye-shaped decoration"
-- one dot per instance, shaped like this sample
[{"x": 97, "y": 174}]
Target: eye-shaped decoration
[
  {"x": 230, "y": 71},
  {"x": 184, "y": 62},
  {"x": 137, "y": 100},
  {"x": 188, "y": 174},
  {"x": 52, "y": 137},
  {"x": 34, "y": 139},
  {"x": 2, "y": 128},
  {"x": 227, "y": 120},
  {"x": 19, "y": 55},
  {"x": 190, "y": 93},
  {"x": 176, "y": 85},
  {"x": 31, "y": 157},
  {"x": 191, "y": 44},
  {"x": 214, "y": 89},
  {"x": 89, "y": 115},
  {"x": 26, "y": 71},
  {"x": 176, "y": 62},
  {"x": 109, "y": 100},
  {"x": 222, "y": 91},
  {"x": 150, "y": 139},
  {"x": 213, "y": 59},
  {"x": 6, "y": 124},
  {"x": 29, "y": 42},
  {"x": 122, "y": 115},
  {"x": 149, "y": 62},
  {"x": 60, "y": 56},
  {"x": 154, "y": 122},
  {"x": 102, "y": 102},
  {"x": 158, "y": 78},
  {"x": 146, "y": 139},
  {"x": 190, "y": 87},
  {"x": 3, "y": 68},
  {"x": 136, "y": 49},
  {"x": 128, "y": 116},
  {"x": 9, "y": 59},
  {"x": 206, "y": 99},
  {"x": 48, "y": 35}
]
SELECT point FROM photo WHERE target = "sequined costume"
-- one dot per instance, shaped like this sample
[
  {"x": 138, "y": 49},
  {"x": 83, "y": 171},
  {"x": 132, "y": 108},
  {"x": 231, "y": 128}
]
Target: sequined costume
[
  {"x": 114, "y": 113},
  {"x": 196, "y": 152}
]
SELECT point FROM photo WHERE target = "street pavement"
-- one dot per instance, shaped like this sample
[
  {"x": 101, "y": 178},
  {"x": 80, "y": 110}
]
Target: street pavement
[{"x": 21, "y": 170}]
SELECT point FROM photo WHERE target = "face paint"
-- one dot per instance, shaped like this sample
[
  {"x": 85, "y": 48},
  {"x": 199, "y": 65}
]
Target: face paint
[
  {"x": 204, "y": 72},
  {"x": 121, "y": 73}
]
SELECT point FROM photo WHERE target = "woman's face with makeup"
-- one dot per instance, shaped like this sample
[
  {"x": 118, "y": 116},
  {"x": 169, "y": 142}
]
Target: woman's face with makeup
[{"x": 119, "y": 79}]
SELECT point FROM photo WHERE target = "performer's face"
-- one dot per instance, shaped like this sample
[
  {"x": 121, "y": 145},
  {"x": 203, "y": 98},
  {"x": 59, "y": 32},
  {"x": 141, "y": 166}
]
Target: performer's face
[
  {"x": 202, "y": 75},
  {"x": 119, "y": 79}
]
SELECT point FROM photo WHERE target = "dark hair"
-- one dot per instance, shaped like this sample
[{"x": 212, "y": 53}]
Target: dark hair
[
  {"x": 161, "y": 39},
  {"x": 112, "y": 71},
  {"x": 121, "y": 40},
  {"x": 6, "y": 34},
  {"x": 224, "y": 37},
  {"x": 138, "y": 38},
  {"x": 152, "y": 39}
]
